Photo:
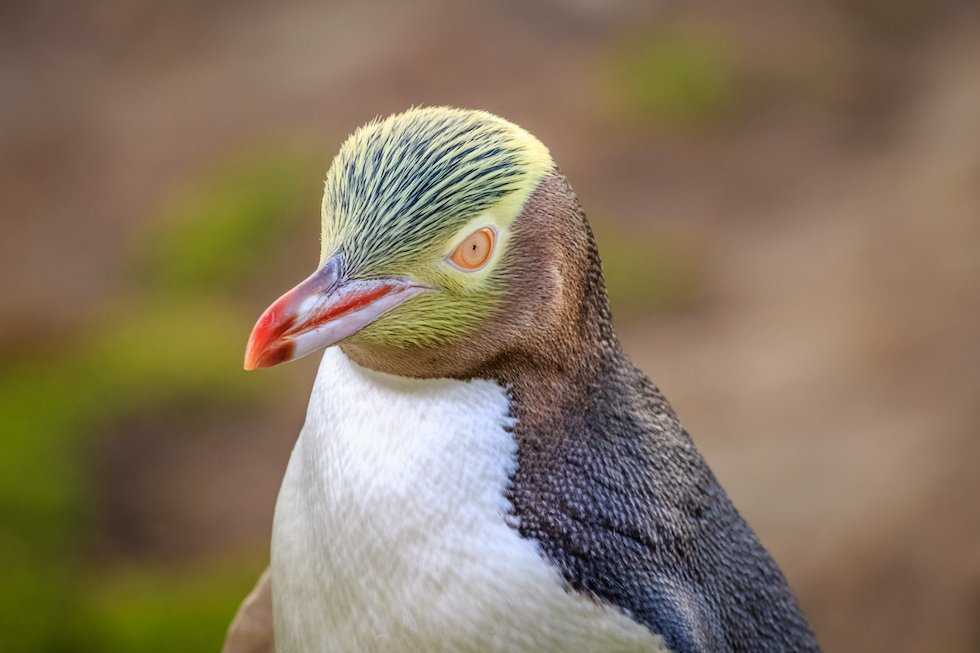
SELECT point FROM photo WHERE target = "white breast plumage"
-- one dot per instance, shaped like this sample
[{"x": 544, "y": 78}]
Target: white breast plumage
[{"x": 390, "y": 531}]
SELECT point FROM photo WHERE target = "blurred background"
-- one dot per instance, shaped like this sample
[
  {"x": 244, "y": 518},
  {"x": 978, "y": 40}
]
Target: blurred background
[{"x": 787, "y": 200}]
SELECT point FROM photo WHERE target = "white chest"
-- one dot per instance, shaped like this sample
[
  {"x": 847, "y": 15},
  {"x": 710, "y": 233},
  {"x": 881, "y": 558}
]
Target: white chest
[{"x": 390, "y": 531}]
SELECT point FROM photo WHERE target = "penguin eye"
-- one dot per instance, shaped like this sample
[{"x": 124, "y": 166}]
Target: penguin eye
[{"x": 475, "y": 250}]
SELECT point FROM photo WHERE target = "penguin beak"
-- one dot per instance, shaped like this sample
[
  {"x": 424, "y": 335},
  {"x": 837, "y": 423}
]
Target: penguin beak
[{"x": 321, "y": 311}]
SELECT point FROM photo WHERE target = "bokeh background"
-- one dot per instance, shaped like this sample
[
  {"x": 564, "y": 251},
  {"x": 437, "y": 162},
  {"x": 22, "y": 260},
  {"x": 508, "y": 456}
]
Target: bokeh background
[{"x": 786, "y": 195}]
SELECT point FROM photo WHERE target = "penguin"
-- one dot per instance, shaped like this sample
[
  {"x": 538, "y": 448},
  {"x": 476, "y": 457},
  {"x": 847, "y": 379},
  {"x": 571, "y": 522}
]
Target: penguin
[{"x": 482, "y": 469}]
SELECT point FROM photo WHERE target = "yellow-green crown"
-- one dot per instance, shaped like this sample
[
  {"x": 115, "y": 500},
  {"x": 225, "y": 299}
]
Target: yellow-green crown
[{"x": 403, "y": 184}]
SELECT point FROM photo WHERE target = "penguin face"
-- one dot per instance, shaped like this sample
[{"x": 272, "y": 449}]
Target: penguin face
[{"x": 421, "y": 259}]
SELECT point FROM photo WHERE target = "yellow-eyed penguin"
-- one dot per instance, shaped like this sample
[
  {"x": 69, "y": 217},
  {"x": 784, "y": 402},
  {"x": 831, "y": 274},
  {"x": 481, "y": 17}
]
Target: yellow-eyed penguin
[{"x": 482, "y": 469}]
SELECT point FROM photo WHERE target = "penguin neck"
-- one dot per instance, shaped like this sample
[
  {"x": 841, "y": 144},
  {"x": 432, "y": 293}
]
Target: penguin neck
[
  {"x": 579, "y": 344},
  {"x": 367, "y": 407}
]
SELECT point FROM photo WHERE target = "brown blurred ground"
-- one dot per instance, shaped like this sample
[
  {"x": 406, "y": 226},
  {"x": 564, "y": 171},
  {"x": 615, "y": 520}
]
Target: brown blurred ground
[{"x": 827, "y": 361}]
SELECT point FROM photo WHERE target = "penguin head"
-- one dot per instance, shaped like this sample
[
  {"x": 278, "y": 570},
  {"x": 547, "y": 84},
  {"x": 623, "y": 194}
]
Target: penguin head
[{"x": 448, "y": 239}]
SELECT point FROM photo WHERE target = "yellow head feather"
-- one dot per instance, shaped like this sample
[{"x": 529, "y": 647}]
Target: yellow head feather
[{"x": 404, "y": 189}]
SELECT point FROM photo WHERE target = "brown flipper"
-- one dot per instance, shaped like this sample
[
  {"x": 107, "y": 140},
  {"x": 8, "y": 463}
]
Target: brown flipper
[{"x": 251, "y": 630}]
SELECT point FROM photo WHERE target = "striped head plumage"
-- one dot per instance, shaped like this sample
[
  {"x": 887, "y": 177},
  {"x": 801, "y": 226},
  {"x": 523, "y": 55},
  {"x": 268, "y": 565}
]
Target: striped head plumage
[
  {"x": 401, "y": 185},
  {"x": 418, "y": 217}
]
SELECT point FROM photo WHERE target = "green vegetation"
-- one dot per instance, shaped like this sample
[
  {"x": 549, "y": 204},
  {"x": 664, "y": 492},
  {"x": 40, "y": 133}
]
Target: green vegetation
[
  {"x": 211, "y": 235},
  {"x": 650, "y": 271},
  {"x": 170, "y": 338},
  {"x": 682, "y": 78},
  {"x": 156, "y": 612}
]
